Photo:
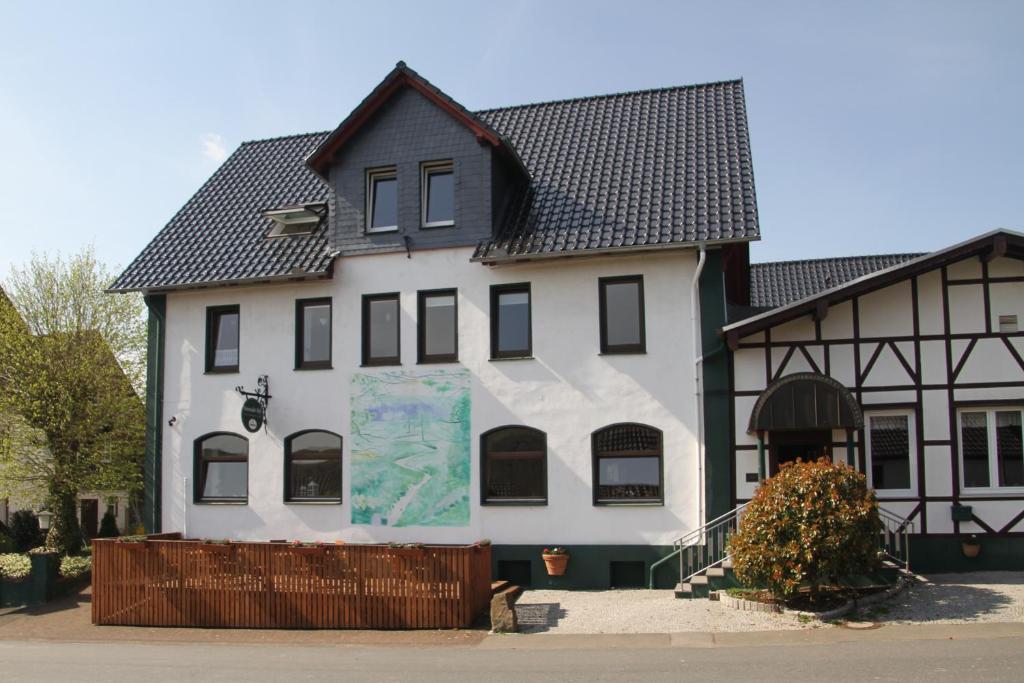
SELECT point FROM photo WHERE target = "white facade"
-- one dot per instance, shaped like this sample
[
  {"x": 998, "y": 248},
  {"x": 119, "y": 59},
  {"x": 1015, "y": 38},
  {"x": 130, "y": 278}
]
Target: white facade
[
  {"x": 928, "y": 347},
  {"x": 568, "y": 390}
]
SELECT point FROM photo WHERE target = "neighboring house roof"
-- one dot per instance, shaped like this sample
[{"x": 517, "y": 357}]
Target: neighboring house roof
[
  {"x": 653, "y": 168},
  {"x": 779, "y": 283},
  {"x": 637, "y": 169},
  {"x": 990, "y": 245}
]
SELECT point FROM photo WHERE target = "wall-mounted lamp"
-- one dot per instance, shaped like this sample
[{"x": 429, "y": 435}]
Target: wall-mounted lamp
[{"x": 174, "y": 418}]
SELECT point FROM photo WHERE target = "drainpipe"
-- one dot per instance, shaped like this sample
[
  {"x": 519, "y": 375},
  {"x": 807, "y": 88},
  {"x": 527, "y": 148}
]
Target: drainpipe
[{"x": 697, "y": 360}]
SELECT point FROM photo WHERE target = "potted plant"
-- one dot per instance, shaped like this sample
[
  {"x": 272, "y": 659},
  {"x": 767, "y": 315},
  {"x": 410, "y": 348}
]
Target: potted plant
[
  {"x": 308, "y": 548},
  {"x": 133, "y": 542},
  {"x": 15, "y": 570},
  {"x": 971, "y": 546},
  {"x": 219, "y": 547},
  {"x": 555, "y": 560}
]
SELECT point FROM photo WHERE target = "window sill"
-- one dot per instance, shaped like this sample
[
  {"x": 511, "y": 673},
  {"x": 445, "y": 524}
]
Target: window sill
[
  {"x": 379, "y": 364},
  {"x": 377, "y": 231},
  {"x": 312, "y": 502},
  {"x": 436, "y": 361},
  {"x": 882, "y": 494},
  {"x": 239, "y": 503},
  {"x": 303, "y": 368},
  {"x": 627, "y": 504},
  {"x": 613, "y": 352},
  {"x": 222, "y": 371},
  {"x": 513, "y": 503},
  {"x": 512, "y": 358},
  {"x": 438, "y": 224},
  {"x": 1008, "y": 491}
]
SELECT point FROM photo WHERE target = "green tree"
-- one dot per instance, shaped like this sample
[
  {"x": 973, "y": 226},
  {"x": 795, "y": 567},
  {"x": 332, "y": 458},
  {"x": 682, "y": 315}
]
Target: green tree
[
  {"x": 812, "y": 523},
  {"x": 72, "y": 367}
]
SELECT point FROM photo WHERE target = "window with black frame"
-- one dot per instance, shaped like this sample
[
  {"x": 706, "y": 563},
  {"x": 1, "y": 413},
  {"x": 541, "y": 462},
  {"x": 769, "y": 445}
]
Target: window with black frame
[
  {"x": 222, "y": 323},
  {"x": 514, "y": 466},
  {"x": 221, "y": 468},
  {"x": 313, "y": 334},
  {"x": 312, "y": 467},
  {"x": 381, "y": 329},
  {"x": 511, "y": 324},
  {"x": 627, "y": 464},
  {"x": 622, "y": 314},
  {"x": 437, "y": 338}
]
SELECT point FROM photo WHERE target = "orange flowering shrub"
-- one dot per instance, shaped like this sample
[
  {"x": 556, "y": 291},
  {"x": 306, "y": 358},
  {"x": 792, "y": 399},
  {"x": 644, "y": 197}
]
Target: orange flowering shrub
[{"x": 812, "y": 523}]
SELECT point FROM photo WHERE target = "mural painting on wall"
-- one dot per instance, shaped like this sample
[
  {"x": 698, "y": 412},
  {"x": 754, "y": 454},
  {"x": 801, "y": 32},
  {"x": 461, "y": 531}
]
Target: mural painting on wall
[{"x": 410, "y": 448}]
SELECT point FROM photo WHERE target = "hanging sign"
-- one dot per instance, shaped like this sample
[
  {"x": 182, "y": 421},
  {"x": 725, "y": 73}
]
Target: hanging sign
[{"x": 252, "y": 415}]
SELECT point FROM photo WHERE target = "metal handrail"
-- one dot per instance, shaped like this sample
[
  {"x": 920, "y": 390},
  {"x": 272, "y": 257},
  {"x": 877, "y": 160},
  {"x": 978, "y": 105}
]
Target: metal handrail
[
  {"x": 895, "y": 541},
  {"x": 705, "y": 547}
]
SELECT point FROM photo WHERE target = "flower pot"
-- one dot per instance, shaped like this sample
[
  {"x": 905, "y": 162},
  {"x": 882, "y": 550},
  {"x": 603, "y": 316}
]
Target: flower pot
[
  {"x": 971, "y": 549},
  {"x": 555, "y": 564}
]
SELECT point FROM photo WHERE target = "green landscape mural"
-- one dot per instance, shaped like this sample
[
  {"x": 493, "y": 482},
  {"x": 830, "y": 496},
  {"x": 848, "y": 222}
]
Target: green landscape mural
[{"x": 410, "y": 448}]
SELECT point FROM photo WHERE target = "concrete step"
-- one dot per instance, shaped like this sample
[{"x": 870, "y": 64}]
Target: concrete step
[
  {"x": 720, "y": 578},
  {"x": 499, "y": 585},
  {"x": 699, "y": 586},
  {"x": 683, "y": 591}
]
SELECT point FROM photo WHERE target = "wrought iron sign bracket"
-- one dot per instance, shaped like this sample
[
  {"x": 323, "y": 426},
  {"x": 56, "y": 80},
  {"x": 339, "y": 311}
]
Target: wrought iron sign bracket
[{"x": 254, "y": 411}]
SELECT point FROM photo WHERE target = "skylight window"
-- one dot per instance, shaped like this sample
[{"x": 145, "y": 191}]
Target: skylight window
[{"x": 300, "y": 219}]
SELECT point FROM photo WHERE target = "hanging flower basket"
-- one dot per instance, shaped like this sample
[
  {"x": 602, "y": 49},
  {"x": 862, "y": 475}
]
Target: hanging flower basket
[{"x": 555, "y": 560}]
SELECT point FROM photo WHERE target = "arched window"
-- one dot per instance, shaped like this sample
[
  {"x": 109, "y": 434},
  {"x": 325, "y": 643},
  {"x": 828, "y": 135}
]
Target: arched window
[
  {"x": 221, "y": 468},
  {"x": 514, "y": 466},
  {"x": 628, "y": 465},
  {"x": 312, "y": 467}
]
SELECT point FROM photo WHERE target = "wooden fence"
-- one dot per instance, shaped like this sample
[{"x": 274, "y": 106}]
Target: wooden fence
[{"x": 166, "y": 581}]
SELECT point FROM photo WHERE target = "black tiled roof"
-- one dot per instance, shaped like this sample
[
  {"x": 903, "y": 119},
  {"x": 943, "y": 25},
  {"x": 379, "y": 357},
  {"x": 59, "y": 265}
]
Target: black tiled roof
[
  {"x": 782, "y": 282},
  {"x": 640, "y": 169},
  {"x": 219, "y": 236},
  {"x": 646, "y": 168}
]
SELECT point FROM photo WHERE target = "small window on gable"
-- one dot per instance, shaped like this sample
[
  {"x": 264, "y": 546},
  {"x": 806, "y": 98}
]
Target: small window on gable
[
  {"x": 222, "y": 339},
  {"x": 382, "y": 200},
  {"x": 438, "y": 194},
  {"x": 1007, "y": 323}
]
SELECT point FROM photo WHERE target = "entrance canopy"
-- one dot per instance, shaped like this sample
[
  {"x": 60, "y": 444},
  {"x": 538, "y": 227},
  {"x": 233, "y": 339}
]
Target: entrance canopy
[{"x": 805, "y": 400}]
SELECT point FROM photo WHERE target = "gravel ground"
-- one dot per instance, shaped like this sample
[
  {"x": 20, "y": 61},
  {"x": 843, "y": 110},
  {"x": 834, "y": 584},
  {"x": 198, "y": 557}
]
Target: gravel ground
[{"x": 945, "y": 598}]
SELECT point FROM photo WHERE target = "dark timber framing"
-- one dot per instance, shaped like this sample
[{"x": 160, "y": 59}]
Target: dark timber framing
[{"x": 866, "y": 351}]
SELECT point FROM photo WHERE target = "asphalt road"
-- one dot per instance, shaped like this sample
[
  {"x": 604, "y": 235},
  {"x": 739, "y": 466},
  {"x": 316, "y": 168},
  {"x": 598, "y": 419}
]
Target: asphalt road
[{"x": 988, "y": 659}]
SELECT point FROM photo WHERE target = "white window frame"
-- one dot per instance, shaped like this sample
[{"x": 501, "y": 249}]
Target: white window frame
[
  {"x": 911, "y": 416},
  {"x": 426, "y": 169},
  {"x": 372, "y": 175},
  {"x": 993, "y": 455}
]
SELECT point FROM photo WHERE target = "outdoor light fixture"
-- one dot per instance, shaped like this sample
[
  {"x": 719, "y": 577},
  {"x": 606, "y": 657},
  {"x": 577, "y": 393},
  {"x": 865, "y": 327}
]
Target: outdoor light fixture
[{"x": 44, "y": 517}]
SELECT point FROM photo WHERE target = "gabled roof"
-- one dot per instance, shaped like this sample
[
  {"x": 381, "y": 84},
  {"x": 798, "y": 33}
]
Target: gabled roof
[
  {"x": 651, "y": 168},
  {"x": 399, "y": 77},
  {"x": 990, "y": 245},
  {"x": 779, "y": 283},
  {"x": 636, "y": 170},
  {"x": 220, "y": 235}
]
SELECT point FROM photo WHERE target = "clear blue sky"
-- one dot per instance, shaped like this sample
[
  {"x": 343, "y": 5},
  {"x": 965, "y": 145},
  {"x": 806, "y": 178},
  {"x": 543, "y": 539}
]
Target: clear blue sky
[{"x": 876, "y": 127}]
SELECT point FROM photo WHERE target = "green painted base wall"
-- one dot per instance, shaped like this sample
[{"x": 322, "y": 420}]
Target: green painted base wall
[
  {"x": 589, "y": 565},
  {"x": 937, "y": 554}
]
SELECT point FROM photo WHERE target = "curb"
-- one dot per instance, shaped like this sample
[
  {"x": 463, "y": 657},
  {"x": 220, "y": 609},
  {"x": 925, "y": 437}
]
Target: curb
[{"x": 850, "y": 605}]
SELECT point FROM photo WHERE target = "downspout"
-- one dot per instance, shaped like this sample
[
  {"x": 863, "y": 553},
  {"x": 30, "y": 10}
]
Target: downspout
[{"x": 698, "y": 393}]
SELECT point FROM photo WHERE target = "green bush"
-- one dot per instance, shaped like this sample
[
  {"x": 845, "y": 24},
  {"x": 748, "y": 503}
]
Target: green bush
[
  {"x": 73, "y": 567},
  {"x": 25, "y": 530},
  {"x": 6, "y": 544},
  {"x": 15, "y": 566},
  {"x": 811, "y": 524},
  {"x": 108, "y": 526},
  {"x": 65, "y": 535}
]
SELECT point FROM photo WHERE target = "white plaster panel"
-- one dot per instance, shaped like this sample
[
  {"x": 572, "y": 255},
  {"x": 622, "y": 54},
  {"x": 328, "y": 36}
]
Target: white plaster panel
[
  {"x": 900, "y": 508},
  {"x": 568, "y": 390},
  {"x": 801, "y": 329},
  {"x": 940, "y": 519},
  {"x": 936, "y": 414},
  {"x": 1007, "y": 298},
  {"x": 746, "y": 461},
  {"x": 882, "y": 397},
  {"x": 1006, "y": 267},
  {"x": 938, "y": 476},
  {"x": 797, "y": 363},
  {"x": 743, "y": 407},
  {"x": 887, "y": 312},
  {"x": 841, "y": 364},
  {"x": 929, "y": 302},
  {"x": 933, "y": 362},
  {"x": 887, "y": 369},
  {"x": 838, "y": 324},
  {"x": 990, "y": 361},
  {"x": 996, "y": 513},
  {"x": 966, "y": 308},
  {"x": 990, "y": 394},
  {"x": 966, "y": 269},
  {"x": 748, "y": 369}
]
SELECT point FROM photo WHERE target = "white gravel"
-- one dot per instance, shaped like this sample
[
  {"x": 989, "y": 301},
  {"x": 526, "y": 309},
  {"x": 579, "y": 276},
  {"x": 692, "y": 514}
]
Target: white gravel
[{"x": 945, "y": 598}]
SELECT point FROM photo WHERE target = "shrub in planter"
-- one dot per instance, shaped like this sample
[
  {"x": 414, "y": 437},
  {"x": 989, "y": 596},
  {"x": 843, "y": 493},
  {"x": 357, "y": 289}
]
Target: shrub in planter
[
  {"x": 73, "y": 567},
  {"x": 25, "y": 530},
  {"x": 108, "y": 526},
  {"x": 810, "y": 524},
  {"x": 14, "y": 566}
]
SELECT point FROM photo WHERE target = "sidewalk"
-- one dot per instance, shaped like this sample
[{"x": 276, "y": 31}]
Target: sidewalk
[{"x": 68, "y": 620}]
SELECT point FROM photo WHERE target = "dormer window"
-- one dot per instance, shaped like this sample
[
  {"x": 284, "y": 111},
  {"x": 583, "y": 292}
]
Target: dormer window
[
  {"x": 298, "y": 219},
  {"x": 438, "y": 194},
  {"x": 382, "y": 200}
]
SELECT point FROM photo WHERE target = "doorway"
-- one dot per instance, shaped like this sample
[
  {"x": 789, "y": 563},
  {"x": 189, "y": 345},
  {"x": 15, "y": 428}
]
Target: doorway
[
  {"x": 806, "y": 444},
  {"x": 90, "y": 516}
]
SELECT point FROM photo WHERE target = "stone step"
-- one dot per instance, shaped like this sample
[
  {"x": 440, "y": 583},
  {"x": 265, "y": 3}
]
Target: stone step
[
  {"x": 499, "y": 585},
  {"x": 699, "y": 586},
  {"x": 683, "y": 591}
]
